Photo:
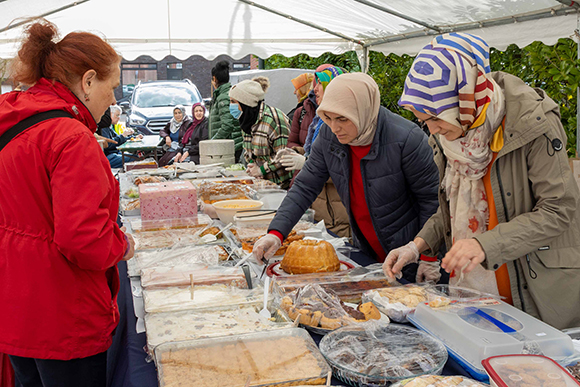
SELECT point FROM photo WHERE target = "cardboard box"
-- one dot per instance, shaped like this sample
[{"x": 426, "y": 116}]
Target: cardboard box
[{"x": 168, "y": 200}]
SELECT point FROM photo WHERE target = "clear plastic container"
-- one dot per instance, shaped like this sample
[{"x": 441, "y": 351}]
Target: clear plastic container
[
  {"x": 280, "y": 357},
  {"x": 192, "y": 325},
  {"x": 380, "y": 354},
  {"x": 527, "y": 370},
  {"x": 347, "y": 285},
  {"x": 473, "y": 331},
  {"x": 202, "y": 297},
  {"x": 272, "y": 198},
  {"x": 162, "y": 277}
]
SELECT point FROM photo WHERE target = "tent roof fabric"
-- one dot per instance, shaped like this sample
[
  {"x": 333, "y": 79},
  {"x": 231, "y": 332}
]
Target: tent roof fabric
[{"x": 265, "y": 27}]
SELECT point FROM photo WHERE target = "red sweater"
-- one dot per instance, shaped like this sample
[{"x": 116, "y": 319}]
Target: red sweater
[{"x": 358, "y": 204}]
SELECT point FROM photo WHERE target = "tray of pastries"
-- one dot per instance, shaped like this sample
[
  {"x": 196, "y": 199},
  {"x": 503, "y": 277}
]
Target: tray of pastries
[{"x": 284, "y": 357}]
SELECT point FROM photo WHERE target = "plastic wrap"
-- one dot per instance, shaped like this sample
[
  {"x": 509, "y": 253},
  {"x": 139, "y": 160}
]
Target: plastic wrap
[
  {"x": 348, "y": 285},
  {"x": 458, "y": 293},
  {"x": 318, "y": 308},
  {"x": 190, "y": 325},
  {"x": 247, "y": 236},
  {"x": 177, "y": 256},
  {"x": 280, "y": 357},
  {"x": 211, "y": 192},
  {"x": 138, "y": 180},
  {"x": 138, "y": 225},
  {"x": 204, "y": 297},
  {"x": 397, "y": 301},
  {"x": 161, "y": 277},
  {"x": 378, "y": 354},
  {"x": 439, "y": 381},
  {"x": 187, "y": 236}
]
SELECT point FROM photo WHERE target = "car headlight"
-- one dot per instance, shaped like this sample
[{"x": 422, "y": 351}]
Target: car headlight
[{"x": 136, "y": 120}]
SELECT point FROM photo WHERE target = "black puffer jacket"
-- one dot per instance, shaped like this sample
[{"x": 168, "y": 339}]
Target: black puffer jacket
[{"x": 401, "y": 182}]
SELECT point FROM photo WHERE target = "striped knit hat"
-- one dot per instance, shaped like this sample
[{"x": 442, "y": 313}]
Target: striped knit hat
[{"x": 450, "y": 78}]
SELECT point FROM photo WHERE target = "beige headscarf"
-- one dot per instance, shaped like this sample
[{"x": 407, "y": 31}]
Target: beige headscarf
[{"x": 354, "y": 96}]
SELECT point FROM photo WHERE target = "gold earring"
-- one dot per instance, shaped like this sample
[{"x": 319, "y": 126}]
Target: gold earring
[{"x": 86, "y": 98}]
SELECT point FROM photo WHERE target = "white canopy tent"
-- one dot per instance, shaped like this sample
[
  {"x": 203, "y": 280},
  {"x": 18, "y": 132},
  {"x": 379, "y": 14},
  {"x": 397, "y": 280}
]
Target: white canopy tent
[{"x": 265, "y": 27}]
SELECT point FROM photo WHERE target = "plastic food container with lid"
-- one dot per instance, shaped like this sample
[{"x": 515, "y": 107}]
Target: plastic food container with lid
[
  {"x": 473, "y": 331},
  {"x": 527, "y": 370},
  {"x": 286, "y": 357}
]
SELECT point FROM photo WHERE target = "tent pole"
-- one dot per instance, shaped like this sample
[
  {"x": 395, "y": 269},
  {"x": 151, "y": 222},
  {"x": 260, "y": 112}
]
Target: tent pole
[{"x": 578, "y": 90}]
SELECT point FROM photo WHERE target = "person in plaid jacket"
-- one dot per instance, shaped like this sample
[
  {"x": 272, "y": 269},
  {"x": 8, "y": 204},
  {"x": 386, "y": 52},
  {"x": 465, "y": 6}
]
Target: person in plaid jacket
[{"x": 265, "y": 130}]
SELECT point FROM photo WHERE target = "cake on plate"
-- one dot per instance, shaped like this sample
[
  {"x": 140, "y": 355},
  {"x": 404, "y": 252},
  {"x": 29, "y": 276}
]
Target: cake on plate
[{"x": 310, "y": 256}]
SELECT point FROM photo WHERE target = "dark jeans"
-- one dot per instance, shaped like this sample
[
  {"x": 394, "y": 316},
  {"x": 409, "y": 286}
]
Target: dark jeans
[{"x": 86, "y": 372}]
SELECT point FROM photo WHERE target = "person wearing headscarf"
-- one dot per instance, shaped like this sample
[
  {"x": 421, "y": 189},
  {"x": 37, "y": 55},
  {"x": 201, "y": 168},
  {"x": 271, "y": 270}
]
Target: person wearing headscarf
[
  {"x": 265, "y": 130},
  {"x": 508, "y": 200},
  {"x": 304, "y": 115},
  {"x": 380, "y": 163},
  {"x": 327, "y": 205},
  {"x": 188, "y": 149},
  {"x": 302, "y": 86},
  {"x": 173, "y": 133}
]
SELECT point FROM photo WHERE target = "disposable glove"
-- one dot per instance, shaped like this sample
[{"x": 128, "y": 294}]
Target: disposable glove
[
  {"x": 208, "y": 209},
  {"x": 266, "y": 247},
  {"x": 283, "y": 152},
  {"x": 428, "y": 271},
  {"x": 254, "y": 171},
  {"x": 293, "y": 162},
  {"x": 399, "y": 258}
]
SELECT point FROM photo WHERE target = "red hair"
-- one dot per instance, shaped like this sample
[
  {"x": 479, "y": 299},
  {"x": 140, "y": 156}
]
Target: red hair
[{"x": 65, "y": 61}]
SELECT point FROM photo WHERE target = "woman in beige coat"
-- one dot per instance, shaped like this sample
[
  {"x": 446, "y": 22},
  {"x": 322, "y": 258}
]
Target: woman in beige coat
[{"x": 508, "y": 198}]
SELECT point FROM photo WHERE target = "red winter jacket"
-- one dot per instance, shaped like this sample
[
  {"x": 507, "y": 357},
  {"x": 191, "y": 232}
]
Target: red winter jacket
[{"x": 59, "y": 241}]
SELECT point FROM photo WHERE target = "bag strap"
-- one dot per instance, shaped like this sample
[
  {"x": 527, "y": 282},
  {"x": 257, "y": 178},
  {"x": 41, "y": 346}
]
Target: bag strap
[{"x": 29, "y": 122}]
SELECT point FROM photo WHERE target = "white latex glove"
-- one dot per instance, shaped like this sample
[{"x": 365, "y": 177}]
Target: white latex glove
[
  {"x": 293, "y": 162},
  {"x": 266, "y": 247},
  {"x": 283, "y": 152},
  {"x": 428, "y": 271},
  {"x": 399, "y": 258},
  {"x": 254, "y": 171},
  {"x": 209, "y": 210}
]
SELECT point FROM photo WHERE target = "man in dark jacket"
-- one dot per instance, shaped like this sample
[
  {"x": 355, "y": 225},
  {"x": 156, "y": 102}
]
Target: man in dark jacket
[
  {"x": 222, "y": 124},
  {"x": 396, "y": 176}
]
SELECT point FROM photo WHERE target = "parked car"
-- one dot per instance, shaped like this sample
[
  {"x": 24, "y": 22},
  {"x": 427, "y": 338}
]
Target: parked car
[{"x": 152, "y": 104}]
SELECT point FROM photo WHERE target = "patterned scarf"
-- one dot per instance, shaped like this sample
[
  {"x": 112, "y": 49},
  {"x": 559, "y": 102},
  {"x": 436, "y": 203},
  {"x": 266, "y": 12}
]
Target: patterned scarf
[
  {"x": 303, "y": 84},
  {"x": 450, "y": 79},
  {"x": 328, "y": 74}
]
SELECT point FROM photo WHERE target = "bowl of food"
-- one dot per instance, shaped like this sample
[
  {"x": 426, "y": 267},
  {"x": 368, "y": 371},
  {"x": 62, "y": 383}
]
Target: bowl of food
[{"x": 226, "y": 209}]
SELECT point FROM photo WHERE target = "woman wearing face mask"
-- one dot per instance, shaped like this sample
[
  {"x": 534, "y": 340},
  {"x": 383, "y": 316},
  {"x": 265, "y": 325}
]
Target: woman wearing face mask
[
  {"x": 380, "y": 163},
  {"x": 173, "y": 133},
  {"x": 508, "y": 200},
  {"x": 265, "y": 130},
  {"x": 188, "y": 149}
]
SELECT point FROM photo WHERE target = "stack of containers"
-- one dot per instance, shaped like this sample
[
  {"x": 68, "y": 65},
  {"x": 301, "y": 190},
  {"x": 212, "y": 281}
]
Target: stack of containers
[{"x": 217, "y": 151}]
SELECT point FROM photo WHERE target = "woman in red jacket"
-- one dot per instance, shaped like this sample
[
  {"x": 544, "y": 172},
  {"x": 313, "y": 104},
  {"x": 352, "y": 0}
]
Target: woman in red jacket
[{"x": 59, "y": 240}]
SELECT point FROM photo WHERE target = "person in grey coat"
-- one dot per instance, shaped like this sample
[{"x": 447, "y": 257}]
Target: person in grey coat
[{"x": 381, "y": 164}]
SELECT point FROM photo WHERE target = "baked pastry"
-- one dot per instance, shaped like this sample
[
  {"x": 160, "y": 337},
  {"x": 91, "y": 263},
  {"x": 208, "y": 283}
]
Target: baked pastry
[
  {"x": 310, "y": 257},
  {"x": 370, "y": 311}
]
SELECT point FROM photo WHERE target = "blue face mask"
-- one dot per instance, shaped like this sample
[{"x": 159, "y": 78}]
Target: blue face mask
[{"x": 235, "y": 111}]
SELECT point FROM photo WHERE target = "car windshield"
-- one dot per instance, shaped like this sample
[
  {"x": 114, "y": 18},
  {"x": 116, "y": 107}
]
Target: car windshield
[{"x": 159, "y": 96}]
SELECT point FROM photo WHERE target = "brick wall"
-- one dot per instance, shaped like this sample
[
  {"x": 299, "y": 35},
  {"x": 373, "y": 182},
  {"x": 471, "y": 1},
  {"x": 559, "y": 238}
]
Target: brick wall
[{"x": 195, "y": 68}]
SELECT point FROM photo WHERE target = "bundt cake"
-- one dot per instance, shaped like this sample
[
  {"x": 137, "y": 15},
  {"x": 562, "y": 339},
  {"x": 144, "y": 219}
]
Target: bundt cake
[{"x": 309, "y": 256}]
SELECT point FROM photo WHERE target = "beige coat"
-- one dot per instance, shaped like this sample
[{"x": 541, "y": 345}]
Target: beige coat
[
  {"x": 536, "y": 197},
  {"x": 329, "y": 208}
]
